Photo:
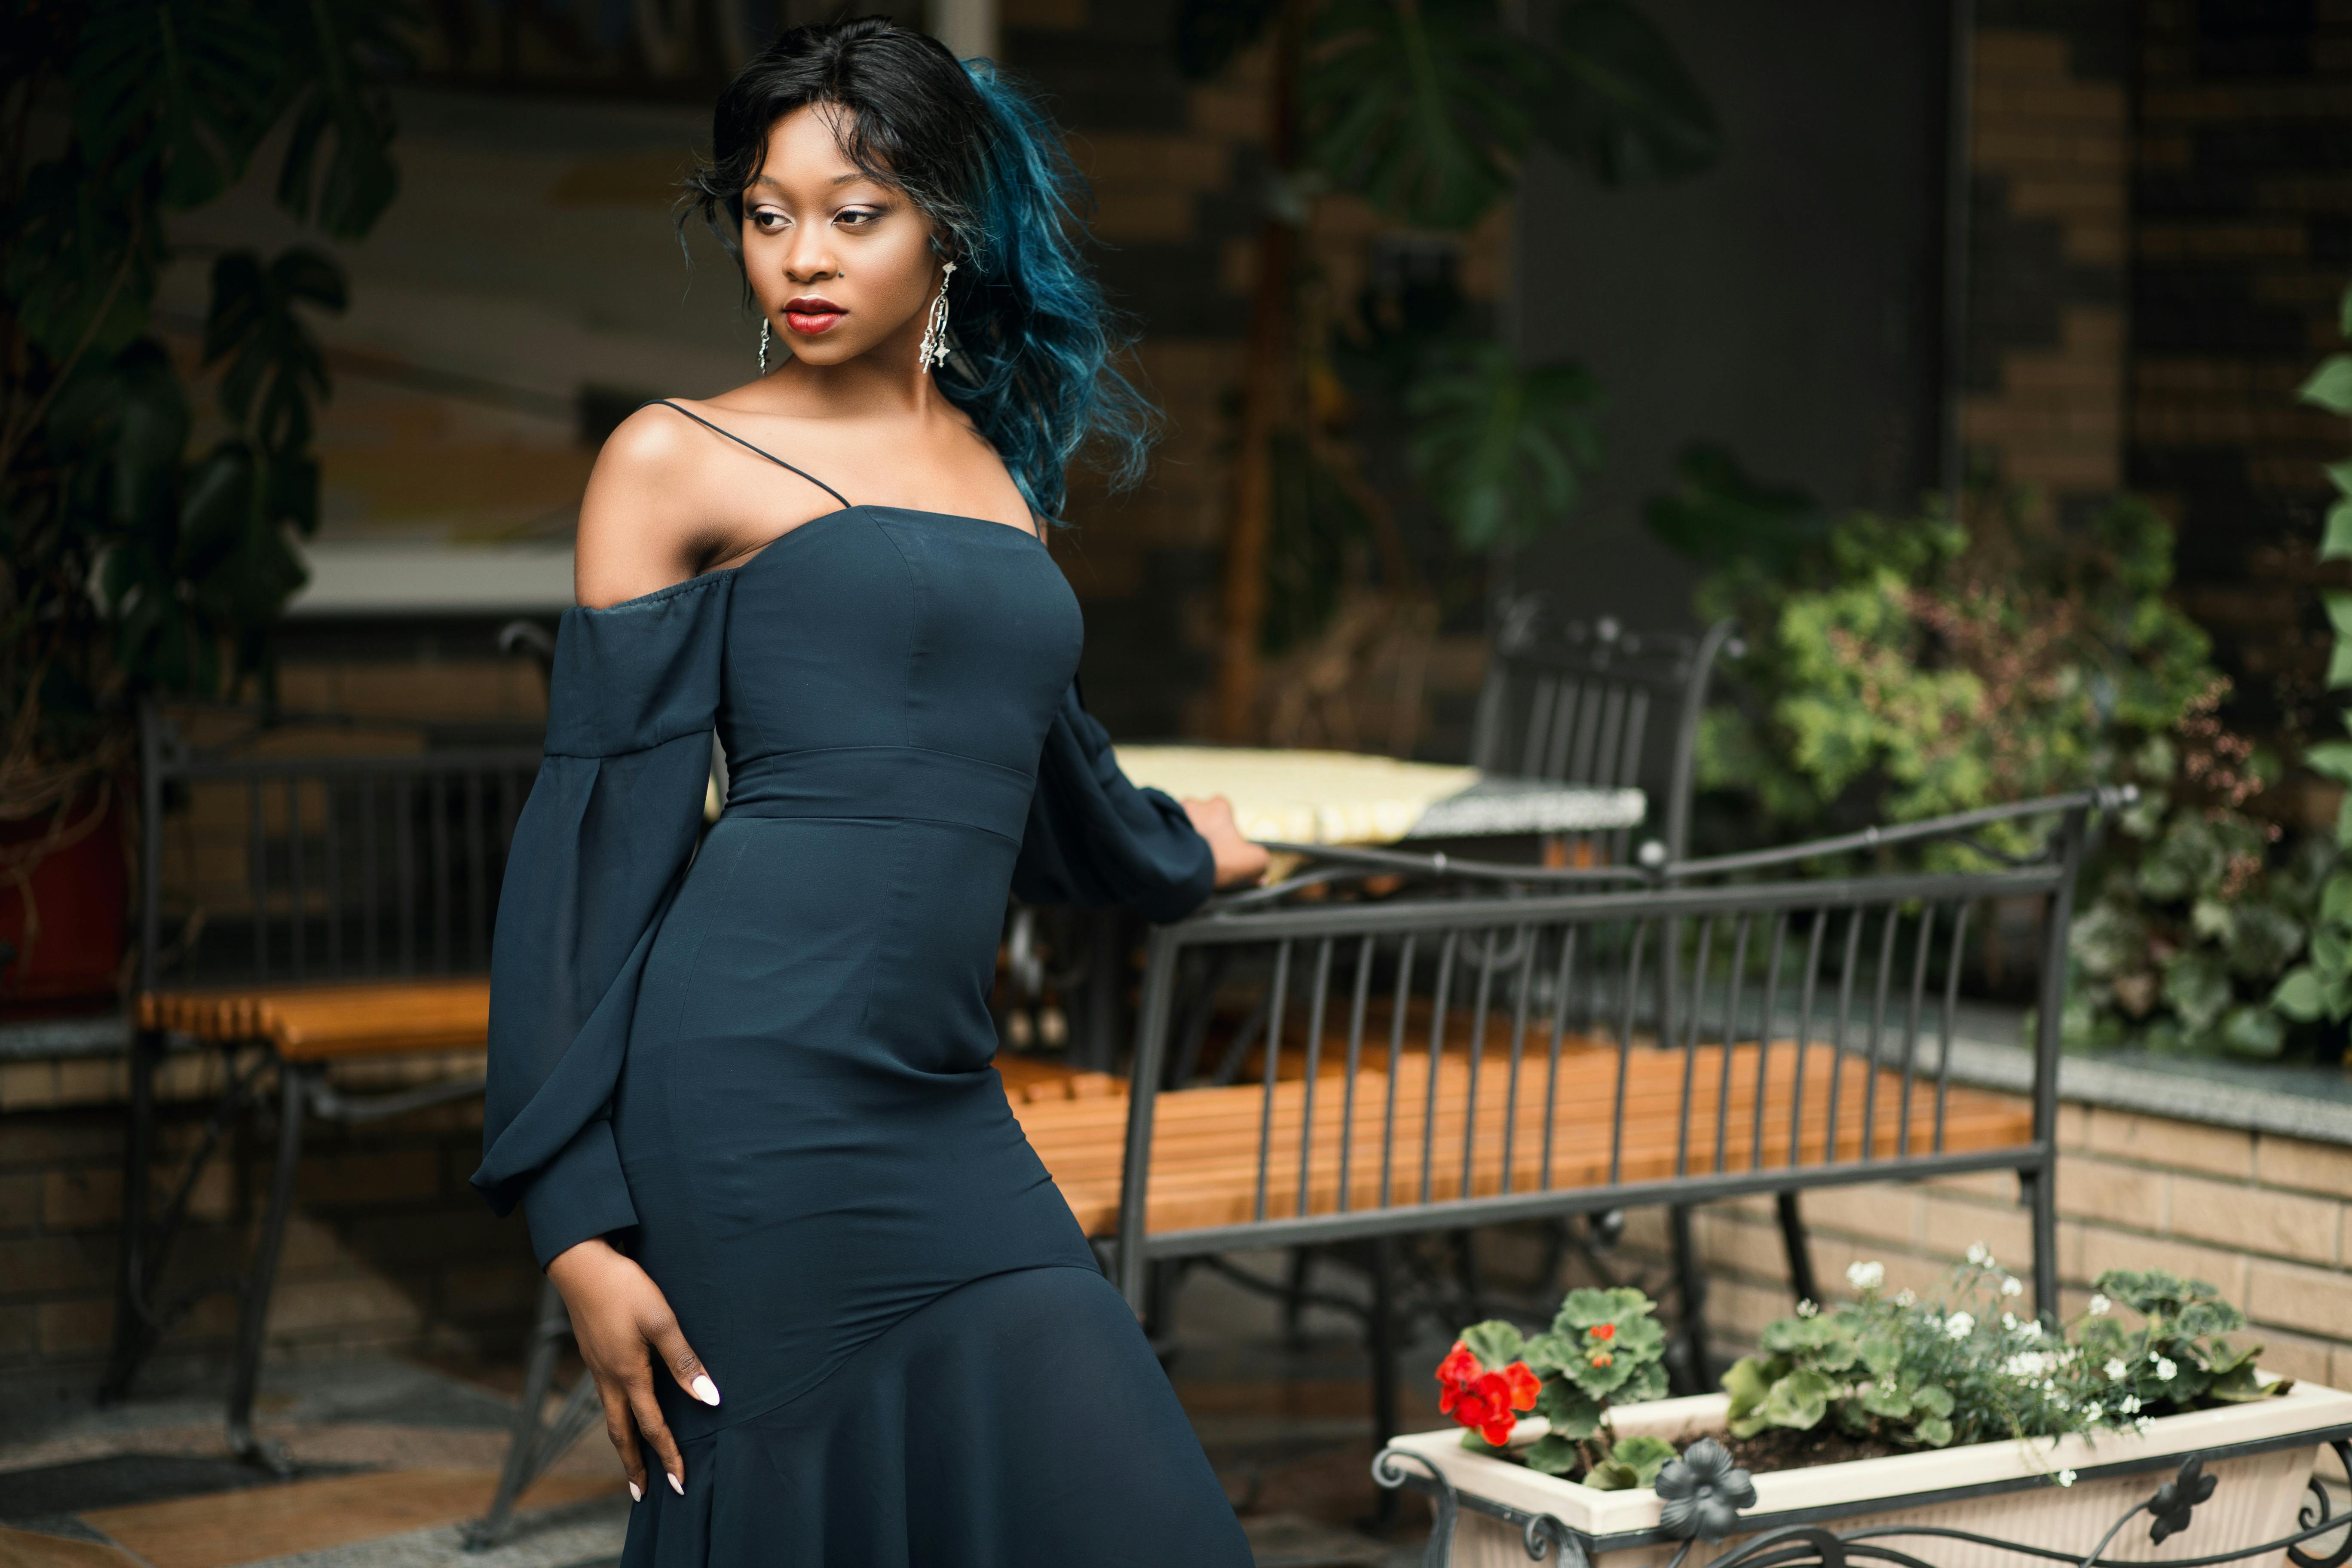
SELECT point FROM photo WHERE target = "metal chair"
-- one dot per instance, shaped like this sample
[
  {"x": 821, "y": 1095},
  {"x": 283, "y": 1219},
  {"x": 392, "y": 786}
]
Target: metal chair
[
  {"x": 1583, "y": 703},
  {"x": 1429, "y": 1064},
  {"x": 342, "y": 878}
]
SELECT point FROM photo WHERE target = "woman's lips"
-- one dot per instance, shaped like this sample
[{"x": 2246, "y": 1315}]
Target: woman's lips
[{"x": 811, "y": 317}]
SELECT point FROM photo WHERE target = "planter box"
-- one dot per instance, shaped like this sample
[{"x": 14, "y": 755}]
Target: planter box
[{"x": 2263, "y": 1452}]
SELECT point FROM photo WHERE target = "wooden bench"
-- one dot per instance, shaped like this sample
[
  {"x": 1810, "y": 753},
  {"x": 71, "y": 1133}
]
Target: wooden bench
[{"x": 1210, "y": 1168}]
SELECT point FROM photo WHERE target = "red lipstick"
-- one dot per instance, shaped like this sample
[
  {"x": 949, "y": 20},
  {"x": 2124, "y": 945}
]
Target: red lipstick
[{"x": 811, "y": 314}]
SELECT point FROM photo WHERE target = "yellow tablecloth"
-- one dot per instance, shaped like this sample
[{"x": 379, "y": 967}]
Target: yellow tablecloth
[{"x": 1302, "y": 797}]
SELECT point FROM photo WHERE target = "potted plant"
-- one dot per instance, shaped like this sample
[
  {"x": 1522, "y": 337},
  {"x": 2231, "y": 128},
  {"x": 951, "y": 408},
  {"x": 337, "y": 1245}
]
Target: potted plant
[
  {"x": 1954, "y": 1413},
  {"x": 132, "y": 566}
]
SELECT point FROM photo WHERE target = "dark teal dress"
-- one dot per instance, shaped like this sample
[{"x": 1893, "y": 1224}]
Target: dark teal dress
[{"x": 763, "y": 1067}]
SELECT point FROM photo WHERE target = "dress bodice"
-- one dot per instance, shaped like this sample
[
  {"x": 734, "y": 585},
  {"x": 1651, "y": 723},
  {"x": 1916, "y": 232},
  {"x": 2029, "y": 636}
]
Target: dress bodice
[{"x": 885, "y": 663}]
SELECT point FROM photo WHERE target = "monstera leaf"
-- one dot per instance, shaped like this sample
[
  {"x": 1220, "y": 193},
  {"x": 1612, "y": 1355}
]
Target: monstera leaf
[
  {"x": 1619, "y": 103},
  {"x": 1419, "y": 108},
  {"x": 339, "y": 170},
  {"x": 192, "y": 85},
  {"x": 274, "y": 367},
  {"x": 1503, "y": 450},
  {"x": 1425, "y": 107}
]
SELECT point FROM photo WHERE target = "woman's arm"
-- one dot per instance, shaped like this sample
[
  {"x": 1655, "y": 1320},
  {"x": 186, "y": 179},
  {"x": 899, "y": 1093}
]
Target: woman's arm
[{"x": 634, "y": 535}]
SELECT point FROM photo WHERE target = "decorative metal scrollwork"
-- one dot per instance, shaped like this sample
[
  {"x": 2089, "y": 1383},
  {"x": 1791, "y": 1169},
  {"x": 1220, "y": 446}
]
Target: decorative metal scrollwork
[{"x": 2317, "y": 1514}]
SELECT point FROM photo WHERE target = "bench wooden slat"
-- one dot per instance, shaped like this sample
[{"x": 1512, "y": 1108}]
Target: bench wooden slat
[
  {"x": 319, "y": 1022},
  {"x": 1205, "y": 1141}
]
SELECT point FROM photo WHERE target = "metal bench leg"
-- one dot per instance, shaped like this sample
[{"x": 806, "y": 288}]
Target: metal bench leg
[
  {"x": 2038, "y": 1186},
  {"x": 531, "y": 1448},
  {"x": 1296, "y": 1286},
  {"x": 1380, "y": 1335},
  {"x": 253, "y": 1319},
  {"x": 1690, "y": 1280},
  {"x": 134, "y": 1329},
  {"x": 1793, "y": 1243}
]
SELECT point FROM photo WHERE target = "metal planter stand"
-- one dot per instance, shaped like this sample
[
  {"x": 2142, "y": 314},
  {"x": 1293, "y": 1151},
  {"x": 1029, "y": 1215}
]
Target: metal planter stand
[{"x": 1801, "y": 1545}]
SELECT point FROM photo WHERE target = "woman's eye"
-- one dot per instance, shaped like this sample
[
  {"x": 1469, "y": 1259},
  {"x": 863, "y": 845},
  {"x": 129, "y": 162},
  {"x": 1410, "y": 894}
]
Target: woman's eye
[
  {"x": 768, "y": 222},
  {"x": 857, "y": 219}
]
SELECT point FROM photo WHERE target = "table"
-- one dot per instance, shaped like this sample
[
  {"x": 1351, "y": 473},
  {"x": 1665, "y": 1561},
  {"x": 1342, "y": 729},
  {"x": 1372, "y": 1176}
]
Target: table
[
  {"x": 1341, "y": 797},
  {"x": 1337, "y": 798}
]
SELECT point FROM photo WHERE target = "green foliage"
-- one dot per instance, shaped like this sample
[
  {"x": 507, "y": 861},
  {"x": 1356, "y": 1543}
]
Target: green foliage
[
  {"x": 2321, "y": 986},
  {"x": 1604, "y": 1348},
  {"x": 1901, "y": 669},
  {"x": 1425, "y": 108},
  {"x": 166, "y": 103},
  {"x": 1963, "y": 1368},
  {"x": 1501, "y": 449}
]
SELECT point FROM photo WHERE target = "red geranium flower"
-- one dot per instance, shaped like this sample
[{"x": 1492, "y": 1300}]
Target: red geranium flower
[
  {"x": 1602, "y": 1331},
  {"x": 1487, "y": 1402}
]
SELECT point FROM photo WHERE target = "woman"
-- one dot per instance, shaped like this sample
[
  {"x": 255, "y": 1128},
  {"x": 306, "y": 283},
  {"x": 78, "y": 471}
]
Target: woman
[{"x": 743, "y": 1094}]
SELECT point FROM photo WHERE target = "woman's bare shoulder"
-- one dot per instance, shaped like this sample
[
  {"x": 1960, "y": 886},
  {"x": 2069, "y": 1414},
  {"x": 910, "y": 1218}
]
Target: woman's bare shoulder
[{"x": 639, "y": 518}]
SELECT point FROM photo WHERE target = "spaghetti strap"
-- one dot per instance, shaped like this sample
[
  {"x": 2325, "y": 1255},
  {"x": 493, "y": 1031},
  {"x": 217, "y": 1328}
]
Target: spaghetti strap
[{"x": 698, "y": 419}]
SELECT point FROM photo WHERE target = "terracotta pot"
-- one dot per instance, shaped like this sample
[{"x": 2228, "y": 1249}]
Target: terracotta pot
[
  {"x": 64, "y": 914},
  {"x": 2003, "y": 1490}
]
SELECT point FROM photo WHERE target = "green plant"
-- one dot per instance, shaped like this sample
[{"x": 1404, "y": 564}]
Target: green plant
[
  {"x": 1965, "y": 1368},
  {"x": 2321, "y": 986},
  {"x": 127, "y": 564},
  {"x": 1604, "y": 1348},
  {"x": 2177, "y": 1358},
  {"x": 1900, "y": 669}
]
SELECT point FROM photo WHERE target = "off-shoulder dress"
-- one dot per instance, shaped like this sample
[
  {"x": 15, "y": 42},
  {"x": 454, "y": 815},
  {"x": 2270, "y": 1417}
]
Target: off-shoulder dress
[{"x": 761, "y": 1067}]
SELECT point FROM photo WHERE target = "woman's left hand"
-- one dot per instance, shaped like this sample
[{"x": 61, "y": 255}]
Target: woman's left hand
[{"x": 1239, "y": 862}]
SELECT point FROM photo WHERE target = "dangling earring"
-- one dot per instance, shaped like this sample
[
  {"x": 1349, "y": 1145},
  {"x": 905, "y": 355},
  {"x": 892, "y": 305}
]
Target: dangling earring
[
  {"x": 763, "y": 345},
  {"x": 933, "y": 349}
]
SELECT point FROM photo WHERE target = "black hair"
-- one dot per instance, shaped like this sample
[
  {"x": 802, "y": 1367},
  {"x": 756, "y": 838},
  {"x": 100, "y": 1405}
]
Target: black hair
[{"x": 1034, "y": 344}]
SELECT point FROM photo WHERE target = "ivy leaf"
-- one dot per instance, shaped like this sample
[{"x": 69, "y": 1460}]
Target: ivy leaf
[
  {"x": 1892, "y": 1404},
  {"x": 1619, "y": 103},
  {"x": 1571, "y": 1411},
  {"x": 1503, "y": 450},
  {"x": 2331, "y": 760},
  {"x": 2339, "y": 618},
  {"x": 2298, "y": 994},
  {"x": 1934, "y": 1431},
  {"x": 2330, "y": 386},
  {"x": 2253, "y": 1032},
  {"x": 2335, "y": 542}
]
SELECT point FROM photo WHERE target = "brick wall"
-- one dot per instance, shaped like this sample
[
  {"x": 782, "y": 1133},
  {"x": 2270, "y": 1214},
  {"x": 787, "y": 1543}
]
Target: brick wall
[
  {"x": 2049, "y": 157},
  {"x": 2263, "y": 1218},
  {"x": 389, "y": 1247},
  {"x": 2242, "y": 212}
]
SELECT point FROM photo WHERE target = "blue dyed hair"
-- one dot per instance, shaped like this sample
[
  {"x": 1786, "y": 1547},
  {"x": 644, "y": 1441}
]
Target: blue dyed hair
[{"x": 1036, "y": 347}]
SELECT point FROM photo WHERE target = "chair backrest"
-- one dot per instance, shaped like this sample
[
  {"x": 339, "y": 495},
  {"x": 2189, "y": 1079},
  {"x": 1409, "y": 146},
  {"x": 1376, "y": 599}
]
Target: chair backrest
[
  {"x": 1478, "y": 1049},
  {"x": 290, "y": 848},
  {"x": 1580, "y": 703}
]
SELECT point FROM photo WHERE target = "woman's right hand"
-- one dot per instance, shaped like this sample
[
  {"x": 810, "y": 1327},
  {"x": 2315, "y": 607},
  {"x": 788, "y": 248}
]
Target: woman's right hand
[{"x": 623, "y": 1324}]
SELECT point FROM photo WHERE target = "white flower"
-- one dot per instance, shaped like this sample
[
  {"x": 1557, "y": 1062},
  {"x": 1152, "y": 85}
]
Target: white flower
[
  {"x": 1959, "y": 1325},
  {"x": 1806, "y": 1309},
  {"x": 2009, "y": 1321},
  {"x": 2099, "y": 1305},
  {"x": 1979, "y": 1255},
  {"x": 1866, "y": 1276},
  {"x": 2128, "y": 1404},
  {"x": 2142, "y": 1424},
  {"x": 1904, "y": 1298},
  {"x": 2164, "y": 1370},
  {"x": 2031, "y": 1328},
  {"x": 2011, "y": 1287},
  {"x": 2115, "y": 1369},
  {"x": 2093, "y": 1412},
  {"x": 2027, "y": 1365},
  {"x": 2065, "y": 1477}
]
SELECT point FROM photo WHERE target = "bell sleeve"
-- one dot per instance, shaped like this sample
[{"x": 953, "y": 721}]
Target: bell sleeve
[
  {"x": 1094, "y": 840},
  {"x": 611, "y": 823}
]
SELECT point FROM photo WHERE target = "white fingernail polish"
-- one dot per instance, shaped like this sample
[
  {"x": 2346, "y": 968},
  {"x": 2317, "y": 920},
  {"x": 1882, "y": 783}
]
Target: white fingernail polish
[
  {"x": 705, "y": 1390},
  {"x": 636, "y": 1492},
  {"x": 678, "y": 1486}
]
